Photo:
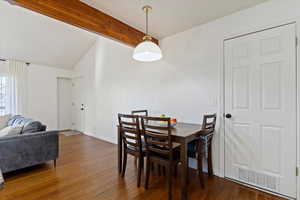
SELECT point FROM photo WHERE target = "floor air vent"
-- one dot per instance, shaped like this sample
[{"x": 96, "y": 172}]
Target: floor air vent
[{"x": 259, "y": 179}]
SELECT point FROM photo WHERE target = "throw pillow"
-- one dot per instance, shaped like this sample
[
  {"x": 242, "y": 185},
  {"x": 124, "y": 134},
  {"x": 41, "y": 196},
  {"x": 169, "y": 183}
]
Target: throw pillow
[
  {"x": 31, "y": 127},
  {"x": 12, "y": 120},
  {"x": 3, "y": 121},
  {"x": 11, "y": 131}
]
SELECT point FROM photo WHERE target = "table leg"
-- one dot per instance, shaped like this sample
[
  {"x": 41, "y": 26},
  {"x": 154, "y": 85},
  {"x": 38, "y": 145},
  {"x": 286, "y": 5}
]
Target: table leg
[
  {"x": 184, "y": 171},
  {"x": 119, "y": 151}
]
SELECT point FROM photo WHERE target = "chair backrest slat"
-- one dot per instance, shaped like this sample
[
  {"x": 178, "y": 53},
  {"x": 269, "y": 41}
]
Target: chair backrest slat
[
  {"x": 157, "y": 132},
  {"x": 140, "y": 112},
  {"x": 156, "y": 127},
  {"x": 130, "y": 129},
  {"x": 154, "y": 134},
  {"x": 128, "y": 123},
  {"x": 133, "y": 144},
  {"x": 159, "y": 151},
  {"x": 209, "y": 123},
  {"x": 158, "y": 143},
  {"x": 131, "y": 137}
]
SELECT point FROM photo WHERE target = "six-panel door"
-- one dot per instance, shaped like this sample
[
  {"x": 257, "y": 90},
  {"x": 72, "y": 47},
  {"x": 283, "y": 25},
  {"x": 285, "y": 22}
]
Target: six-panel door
[{"x": 260, "y": 94}]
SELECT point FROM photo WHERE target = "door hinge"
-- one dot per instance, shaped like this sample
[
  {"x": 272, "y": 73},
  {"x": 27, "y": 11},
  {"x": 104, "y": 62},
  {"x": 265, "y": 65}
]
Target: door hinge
[{"x": 297, "y": 171}]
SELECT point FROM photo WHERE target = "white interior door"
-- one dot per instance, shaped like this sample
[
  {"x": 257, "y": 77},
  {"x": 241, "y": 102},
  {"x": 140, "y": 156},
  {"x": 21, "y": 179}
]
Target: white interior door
[
  {"x": 260, "y": 95},
  {"x": 64, "y": 103},
  {"x": 78, "y": 104}
]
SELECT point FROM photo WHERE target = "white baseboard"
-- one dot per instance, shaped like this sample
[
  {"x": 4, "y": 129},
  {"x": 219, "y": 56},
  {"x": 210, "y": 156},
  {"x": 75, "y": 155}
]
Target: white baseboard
[{"x": 100, "y": 138}]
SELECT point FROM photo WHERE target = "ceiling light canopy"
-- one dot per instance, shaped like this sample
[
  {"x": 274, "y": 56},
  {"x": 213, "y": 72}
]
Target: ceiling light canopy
[{"x": 147, "y": 51}]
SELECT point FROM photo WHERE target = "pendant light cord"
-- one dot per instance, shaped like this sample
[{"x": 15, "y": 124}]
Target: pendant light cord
[
  {"x": 147, "y": 37},
  {"x": 147, "y": 10}
]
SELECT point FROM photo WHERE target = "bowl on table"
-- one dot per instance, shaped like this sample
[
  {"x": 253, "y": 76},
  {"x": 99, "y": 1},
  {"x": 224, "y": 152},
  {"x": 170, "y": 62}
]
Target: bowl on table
[
  {"x": 164, "y": 123},
  {"x": 173, "y": 122}
]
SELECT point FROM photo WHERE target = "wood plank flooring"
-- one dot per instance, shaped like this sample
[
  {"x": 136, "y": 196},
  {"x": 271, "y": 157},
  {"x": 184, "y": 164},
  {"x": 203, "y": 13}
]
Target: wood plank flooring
[{"x": 87, "y": 170}]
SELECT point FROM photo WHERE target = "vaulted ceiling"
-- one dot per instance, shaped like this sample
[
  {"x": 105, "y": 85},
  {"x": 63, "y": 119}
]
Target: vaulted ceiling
[
  {"x": 32, "y": 37},
  {"x": 170, "y": 16}
]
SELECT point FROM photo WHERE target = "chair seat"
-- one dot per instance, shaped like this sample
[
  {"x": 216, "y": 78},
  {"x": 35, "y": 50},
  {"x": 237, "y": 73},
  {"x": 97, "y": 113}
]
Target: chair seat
[
  {"x": 175, "y": 146},
  {"x": 176, "y": 154},
  {"x": 165, "y": 158}
]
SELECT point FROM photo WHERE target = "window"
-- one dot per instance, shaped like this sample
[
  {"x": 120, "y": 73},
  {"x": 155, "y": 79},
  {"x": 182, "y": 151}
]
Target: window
[{"x": 3, "y": 94}]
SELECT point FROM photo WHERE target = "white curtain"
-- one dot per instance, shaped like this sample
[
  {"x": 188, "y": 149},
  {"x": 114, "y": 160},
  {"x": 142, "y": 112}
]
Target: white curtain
[
  {"x": 1, "y": 180},
  {"x": 17, "y": 88}
]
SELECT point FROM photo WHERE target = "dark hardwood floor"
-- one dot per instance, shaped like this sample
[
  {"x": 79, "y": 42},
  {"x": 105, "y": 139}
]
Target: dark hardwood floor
[{"x": 87, "y": 170}]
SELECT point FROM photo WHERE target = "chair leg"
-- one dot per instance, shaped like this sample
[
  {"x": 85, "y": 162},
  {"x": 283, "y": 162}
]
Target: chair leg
[
  {"x": 200, "y": 168},
  {"x": 159, "y": 169},
  {"x": 152, "y": 167},
  {"x": 175, "y": 170},
  {"x": 140, "y": 164},
  {"x": 209, "y": 160},
  {"x": 124, "y": 163},
  {"x": 135, "y": 161},
  {"x": 148, "y": 169},
  {"x": 169, "y": 175},
  {"x": 54, "y": 163}
]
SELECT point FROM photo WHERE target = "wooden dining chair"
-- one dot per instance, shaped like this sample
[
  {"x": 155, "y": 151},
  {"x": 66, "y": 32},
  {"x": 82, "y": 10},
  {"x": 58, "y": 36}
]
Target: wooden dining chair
[
  {"x": 208, "y": 129},
  {"x": 204, "y": 144},
  {"x": 139, "y": 113},
  {"x": 160, "y": 148},
  {"x": 131, "y": 134}
]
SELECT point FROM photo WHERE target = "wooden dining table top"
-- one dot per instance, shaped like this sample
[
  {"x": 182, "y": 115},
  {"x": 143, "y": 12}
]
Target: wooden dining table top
[
  {"x": 186, "y": 129},
  {"x": 183, "y": 129}
]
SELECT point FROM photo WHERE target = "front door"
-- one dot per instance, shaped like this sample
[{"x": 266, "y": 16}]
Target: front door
[
  {"x": 260, "y": 103},
  {"x": 78, "y": 104}
]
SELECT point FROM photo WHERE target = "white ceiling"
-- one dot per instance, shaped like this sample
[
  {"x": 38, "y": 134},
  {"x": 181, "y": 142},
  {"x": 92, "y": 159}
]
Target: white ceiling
[
  {"x": 170, "y": 16},
  {"x": 31, "y": 37}
]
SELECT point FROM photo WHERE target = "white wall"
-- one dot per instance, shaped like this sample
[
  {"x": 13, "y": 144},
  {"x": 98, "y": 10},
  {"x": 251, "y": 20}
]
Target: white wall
[
  {"x": 42, "y": 93},
  {"x": 198, "y": 51},
  {"x": 185, "y": 84}
]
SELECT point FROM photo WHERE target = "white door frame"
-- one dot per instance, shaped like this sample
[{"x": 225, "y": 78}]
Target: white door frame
[{"x": 221, "y": 171}]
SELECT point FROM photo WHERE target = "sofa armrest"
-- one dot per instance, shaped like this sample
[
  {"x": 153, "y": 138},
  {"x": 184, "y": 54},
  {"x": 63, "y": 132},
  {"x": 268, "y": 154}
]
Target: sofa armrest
[{"x": 21, "y": 151}]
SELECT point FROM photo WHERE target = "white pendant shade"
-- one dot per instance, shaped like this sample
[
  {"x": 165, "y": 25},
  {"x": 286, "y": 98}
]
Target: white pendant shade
[{"x": 147, "y": 51}]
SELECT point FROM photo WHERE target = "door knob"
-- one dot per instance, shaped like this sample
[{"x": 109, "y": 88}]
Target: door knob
[{"x": 228, "y": 115}]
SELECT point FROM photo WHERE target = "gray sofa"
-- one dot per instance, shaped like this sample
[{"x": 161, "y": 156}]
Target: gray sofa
[{"x": 33, "y": 146}]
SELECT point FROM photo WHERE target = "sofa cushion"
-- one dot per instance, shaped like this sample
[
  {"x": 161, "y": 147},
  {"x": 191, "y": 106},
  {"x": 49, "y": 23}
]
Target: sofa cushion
[{"x": 11, "y": 130}]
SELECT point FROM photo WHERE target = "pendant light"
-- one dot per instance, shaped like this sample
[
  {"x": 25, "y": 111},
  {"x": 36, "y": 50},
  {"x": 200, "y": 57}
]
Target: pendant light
[{"x": 147, "y": 51}]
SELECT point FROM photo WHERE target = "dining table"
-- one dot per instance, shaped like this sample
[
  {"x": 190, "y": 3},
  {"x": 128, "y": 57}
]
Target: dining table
[{"x": 182, "y": 133}]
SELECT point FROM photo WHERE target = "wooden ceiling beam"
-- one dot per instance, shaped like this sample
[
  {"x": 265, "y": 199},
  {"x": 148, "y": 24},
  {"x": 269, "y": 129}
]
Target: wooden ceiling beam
[{"x": 79, "y": 14}]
